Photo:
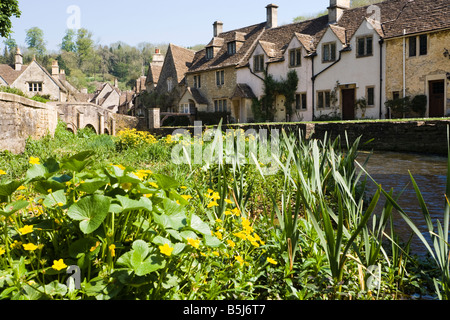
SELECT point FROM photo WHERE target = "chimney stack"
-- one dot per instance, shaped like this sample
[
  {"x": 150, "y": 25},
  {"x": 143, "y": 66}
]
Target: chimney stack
[
  {"x": 55, "y": 68},
  {"x": 336, "y": 10},
  {"x": 272, "y": 16},
  {"x": 18, "y": 60},
  {"x": 218, "y": 28},
  {"x": 116, "y": 83},
  {"x": 158, "y": 58}
]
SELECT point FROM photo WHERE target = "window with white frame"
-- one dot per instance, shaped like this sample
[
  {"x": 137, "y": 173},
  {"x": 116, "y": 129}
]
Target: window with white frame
[
  {"x": 220, "y": 105},
  {"x": 220, "y": 77},
  {"x": 329, "y": 52},
  {"x": 35, "y": 86},
  {"x": 184, "y": 108}
]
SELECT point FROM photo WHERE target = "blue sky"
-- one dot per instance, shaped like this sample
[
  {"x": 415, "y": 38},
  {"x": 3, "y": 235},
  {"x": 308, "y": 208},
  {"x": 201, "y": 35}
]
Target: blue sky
[{"x": 184, "y": 23}]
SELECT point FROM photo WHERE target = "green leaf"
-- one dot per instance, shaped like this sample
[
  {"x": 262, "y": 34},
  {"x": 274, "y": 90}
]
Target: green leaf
[
  {"x": 35, "y": 172},
  {"x": 9, "y": 188},
  {"x": 165, "y": 182},
  {"x": 130, "y": 204},
  {"x": 138, "y": 261},
  {"x": 77, "y": 162},
  {"x": 91, "y": 211},
  {"x": 212, "y": 242},
  {"x": 92, "y": 185},
  {"x": 13, "y": 207},
  {"x": 55, "y": 288},
  {"x": 198, "y": 225},
  {"x": 55, "y": 198}
]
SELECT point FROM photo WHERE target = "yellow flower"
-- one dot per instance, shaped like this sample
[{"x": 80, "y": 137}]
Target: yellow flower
[
  {"x": 236, "y": 212},
  {"x": 21, "y": 188},
  {"x": 240, "y": 235},
  {"x": 95, "y": 247},
  {"x": 210, "y": 191},
  {"x": 194, "y": 243},
  {"x": 119, "y": 166},
  {"x": 228, "y": 213},
  {"x": 16, "y": 244},
  {"x": 213, "y": 204},
  {"x": 229, "y": 201},
  {"x": 26, "y": 229},
  {"x": 2, "y": 172},
  {"x": 216, "y": 253},
  {"x": 34, "y": 160},
  {"x": 166, "y": 249},
  {"x": 59, "y": 265},
  {"x": 183, "y": 187},
  {"x": 154, "y": 185},
  {"x": 30, "y": 247},
  {"x": 239, "y": 259},
  {"x": 218, "y": 235},
  {"x": 231, "y": 243},
  {"x": 112, "y": 248},
  {"x": 2, "y": 251},
  {"x": 215, "y": 196},
  {"x": 186, "y": 197},
  {"x": 272, "y": 261}
]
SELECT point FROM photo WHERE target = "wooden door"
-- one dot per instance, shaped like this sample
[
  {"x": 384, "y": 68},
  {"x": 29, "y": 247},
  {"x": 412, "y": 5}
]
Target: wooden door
[
  {"x": 348, "y": 104},
  {"x": 436, "y": 98}
]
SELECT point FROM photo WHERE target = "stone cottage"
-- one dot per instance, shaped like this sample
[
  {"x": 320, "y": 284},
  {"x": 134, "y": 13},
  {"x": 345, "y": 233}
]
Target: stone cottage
[{"x": 34, "y": 79}]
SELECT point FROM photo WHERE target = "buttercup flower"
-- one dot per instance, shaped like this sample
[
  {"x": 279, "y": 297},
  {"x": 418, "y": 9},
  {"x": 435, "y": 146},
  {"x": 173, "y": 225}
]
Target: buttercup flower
[
  {"x": 213, "y": 204},
  {"x": 239, "y": 259},
  {"x": 231, "y": 243},
  {"x": 26, "y": 229},
  {"x": 2, "y": 172},
  {"x": 112, "y": 249},
  {"x": 34, "y": 160},
  {"x": 194, "y": 243},
  {"x": 166, "y": 249},
  {"x": 272, "y": 261},
  {"x": 30, "y": 247},
  {"x": 186, "y": 197},
  {"x": 59, "y": 265},
  {"x": 229, "y": 201},
  {"x": 2, "y": 251}
]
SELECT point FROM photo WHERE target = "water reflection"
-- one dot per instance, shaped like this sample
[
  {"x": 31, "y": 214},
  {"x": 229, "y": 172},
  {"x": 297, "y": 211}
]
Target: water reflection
[{"x": 391, "y": 170}]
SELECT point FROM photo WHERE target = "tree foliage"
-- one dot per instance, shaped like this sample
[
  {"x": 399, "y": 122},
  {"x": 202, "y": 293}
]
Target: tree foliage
[
  {"x": 8, "y": 9},
  {"x": 35, "y": 40}
]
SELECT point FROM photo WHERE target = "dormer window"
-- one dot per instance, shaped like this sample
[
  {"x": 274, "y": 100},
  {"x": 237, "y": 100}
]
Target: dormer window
[
  {"x": 295, "y": 57},
  {"x": 209, "y": 53},
  {"x": 329, "y": 52},
  {"x": 365, "y": 46},
  {"x": 258, "y": 63},
  {"x": 231, "y": 48}
]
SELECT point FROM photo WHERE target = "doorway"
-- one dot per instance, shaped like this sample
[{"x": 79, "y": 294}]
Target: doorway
[
  {"x": 436, "y": 98},
  {"x": 348, "y": 104}
]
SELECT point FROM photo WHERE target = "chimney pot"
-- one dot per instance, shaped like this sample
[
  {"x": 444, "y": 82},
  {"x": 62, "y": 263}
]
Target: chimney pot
[
  {"x": 272, "y": 16},
  {"x": 18, "y": 60}
]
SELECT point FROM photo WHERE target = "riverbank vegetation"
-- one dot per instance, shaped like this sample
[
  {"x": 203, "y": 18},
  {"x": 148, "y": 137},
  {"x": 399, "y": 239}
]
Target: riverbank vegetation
[{"x": 140, "y": 218}]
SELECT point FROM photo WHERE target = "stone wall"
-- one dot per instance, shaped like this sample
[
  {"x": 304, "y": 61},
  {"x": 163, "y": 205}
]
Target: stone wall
[
  {"x": 211, "y": 91},
  {"x": 419, "y": 69},
  {"x": 428, "y": 137},
  {"x": 21, "y": 118}
]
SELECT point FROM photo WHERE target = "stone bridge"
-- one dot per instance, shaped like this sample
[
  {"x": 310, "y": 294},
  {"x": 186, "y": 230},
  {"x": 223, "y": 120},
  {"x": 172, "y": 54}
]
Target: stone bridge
[{"x": 21, "y": 118}]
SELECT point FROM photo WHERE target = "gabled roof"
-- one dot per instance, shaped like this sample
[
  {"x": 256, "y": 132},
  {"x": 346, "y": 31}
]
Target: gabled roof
[
  {"x": 9, "y": 74},
  {"x": 243, "y": 90},
  {"x": 154, "y": 71},
  {"x": 182, "y": 60},
  {"x": 249, "y": 35}
]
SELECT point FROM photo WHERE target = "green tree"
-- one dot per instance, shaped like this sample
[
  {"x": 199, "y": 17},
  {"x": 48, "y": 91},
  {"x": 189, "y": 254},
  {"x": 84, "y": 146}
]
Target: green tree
[
  {"x": 10, "y": 43},
  {"x": 8, "y": 9},
  {"x": 68, "y": 43},
  {"x": 35, "y": 41},
  {"x": 85, "y": 46}
]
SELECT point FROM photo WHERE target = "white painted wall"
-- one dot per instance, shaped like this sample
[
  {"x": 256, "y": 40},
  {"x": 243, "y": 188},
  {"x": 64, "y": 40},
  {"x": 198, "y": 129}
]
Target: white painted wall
[{"x": 363, "y": 72}]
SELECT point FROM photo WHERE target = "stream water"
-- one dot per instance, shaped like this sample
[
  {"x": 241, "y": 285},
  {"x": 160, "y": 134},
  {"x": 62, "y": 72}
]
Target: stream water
[{"x": 391, "y": 170}]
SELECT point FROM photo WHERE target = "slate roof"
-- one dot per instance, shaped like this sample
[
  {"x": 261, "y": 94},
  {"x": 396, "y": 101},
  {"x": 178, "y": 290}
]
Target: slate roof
[
  {"x": 182, "y": 59},
  {"x": 243, "y": 91},
  {"x": 154, "y": 71},
  {"x": 9, "y": 74},
  {"x": 396, "y": 15}
]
